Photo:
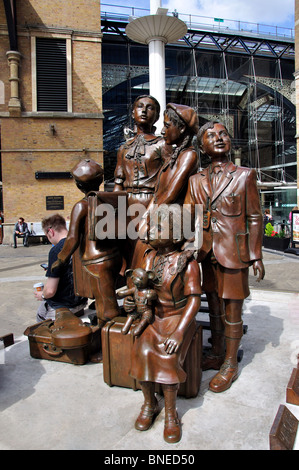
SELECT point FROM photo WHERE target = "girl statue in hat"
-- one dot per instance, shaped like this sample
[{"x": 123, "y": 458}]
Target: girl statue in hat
[{"x": 180, "y": 126}]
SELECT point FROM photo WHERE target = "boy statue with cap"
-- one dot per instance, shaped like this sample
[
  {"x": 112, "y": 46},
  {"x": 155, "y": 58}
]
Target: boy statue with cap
[
  {"x": 232, "y": 242},
  {"x": 100, "y": 258}
]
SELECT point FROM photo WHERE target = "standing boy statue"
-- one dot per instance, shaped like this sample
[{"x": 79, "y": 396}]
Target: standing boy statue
[
  {"x": 101, "y": 259},
  {"x": 232, "y": 237}
]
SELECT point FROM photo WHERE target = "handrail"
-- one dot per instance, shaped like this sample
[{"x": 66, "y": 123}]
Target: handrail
[{"x": 125, "y": 13}]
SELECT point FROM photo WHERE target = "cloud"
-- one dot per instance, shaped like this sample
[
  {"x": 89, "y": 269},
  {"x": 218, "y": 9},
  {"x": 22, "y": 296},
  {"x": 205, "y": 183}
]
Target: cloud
[{"x": 272, "y": 12}]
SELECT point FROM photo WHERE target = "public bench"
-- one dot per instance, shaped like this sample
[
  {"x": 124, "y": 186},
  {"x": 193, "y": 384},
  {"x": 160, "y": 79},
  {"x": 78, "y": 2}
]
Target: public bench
[{"x": 36, "y": 232}]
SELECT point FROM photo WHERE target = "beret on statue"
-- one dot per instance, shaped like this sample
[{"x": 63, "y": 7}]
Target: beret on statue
[
  {"x": 187, "y": 114},
  {"x": 87, "y": 170}
]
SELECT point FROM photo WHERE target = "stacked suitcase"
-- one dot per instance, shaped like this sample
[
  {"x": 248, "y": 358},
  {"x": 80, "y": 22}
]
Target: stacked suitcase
[{"x": 117, "y": 347}]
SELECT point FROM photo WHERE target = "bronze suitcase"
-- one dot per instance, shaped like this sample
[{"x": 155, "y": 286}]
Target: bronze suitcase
[
  {"x": 116, "y": 349},
  {"x": 67, "y": 339}
]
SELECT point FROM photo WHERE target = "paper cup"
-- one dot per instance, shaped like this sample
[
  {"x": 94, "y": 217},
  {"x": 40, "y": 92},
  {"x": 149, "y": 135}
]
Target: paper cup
[{"x": 38, "y": 286}]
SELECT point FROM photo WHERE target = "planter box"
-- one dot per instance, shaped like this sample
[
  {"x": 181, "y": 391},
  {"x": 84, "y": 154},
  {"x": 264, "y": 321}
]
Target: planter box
[{"x": 278, "y": 244}]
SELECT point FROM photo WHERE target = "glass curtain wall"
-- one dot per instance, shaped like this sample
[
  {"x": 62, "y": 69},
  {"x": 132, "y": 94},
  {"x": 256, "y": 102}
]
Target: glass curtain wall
[{"x": 253, "y": 96}]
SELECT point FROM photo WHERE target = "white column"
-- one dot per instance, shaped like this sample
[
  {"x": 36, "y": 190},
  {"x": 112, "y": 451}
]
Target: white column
[
  {"x": 156, "y": 30},
  {"x": 157, "y": 75},
  {"x": 154, "y": 4}
]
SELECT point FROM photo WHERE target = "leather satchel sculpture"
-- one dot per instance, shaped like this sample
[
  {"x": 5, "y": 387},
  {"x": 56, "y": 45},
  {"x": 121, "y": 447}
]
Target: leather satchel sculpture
[{"x": 67, "y": 339}]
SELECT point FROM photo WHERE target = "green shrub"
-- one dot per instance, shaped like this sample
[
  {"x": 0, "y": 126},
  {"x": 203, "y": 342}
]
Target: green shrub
[
  {"x": 270, "y": 232},
  {"x": 269, "y": 229},
  {"x": 281, "y": 234}
]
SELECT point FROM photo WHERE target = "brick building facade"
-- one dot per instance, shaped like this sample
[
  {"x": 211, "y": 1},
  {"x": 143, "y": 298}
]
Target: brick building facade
[{"x": 50, "y": 104}]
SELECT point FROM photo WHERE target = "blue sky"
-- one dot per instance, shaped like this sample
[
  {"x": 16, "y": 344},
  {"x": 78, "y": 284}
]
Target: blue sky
[{"x": 269, "y": 12}]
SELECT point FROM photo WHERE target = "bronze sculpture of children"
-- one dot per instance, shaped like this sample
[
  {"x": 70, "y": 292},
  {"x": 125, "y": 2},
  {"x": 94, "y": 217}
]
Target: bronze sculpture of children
[
  {"x": 158, "y": 353},
  {"x": 101, "y": 259},
  {"x": 140, "y": 158},
  {"x": 143, "y": 296},
  {"x": 232, "y": 240}
]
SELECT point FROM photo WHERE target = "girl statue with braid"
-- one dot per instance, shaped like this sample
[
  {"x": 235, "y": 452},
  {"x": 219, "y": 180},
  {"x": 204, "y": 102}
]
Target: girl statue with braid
[
  {"x": 140, "y": 158},
  {"x": 139, "y": 161}
]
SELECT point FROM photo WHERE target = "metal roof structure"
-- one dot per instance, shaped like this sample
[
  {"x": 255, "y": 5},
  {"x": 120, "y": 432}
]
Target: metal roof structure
[{"x": 218, "y": 39}]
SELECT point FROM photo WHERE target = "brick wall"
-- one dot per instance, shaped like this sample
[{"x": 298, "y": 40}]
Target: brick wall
[
  {"x": 24, "y": 195},
  {"x": 76, "y": 14},
  {"x": 87, "y": 86},
  {"x": 27, "y": 143}
]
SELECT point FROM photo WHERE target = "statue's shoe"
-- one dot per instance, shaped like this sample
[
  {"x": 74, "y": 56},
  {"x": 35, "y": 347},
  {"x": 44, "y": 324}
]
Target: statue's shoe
[
  {"x": 224, "y": 378},
  {"x": 146, "y": 416},
  {"x": 172, "y": 429}
]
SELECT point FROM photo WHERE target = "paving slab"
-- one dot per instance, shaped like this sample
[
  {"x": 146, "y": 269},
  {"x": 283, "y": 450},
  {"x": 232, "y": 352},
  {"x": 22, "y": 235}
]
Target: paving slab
[{"x": 48, "y": 405}]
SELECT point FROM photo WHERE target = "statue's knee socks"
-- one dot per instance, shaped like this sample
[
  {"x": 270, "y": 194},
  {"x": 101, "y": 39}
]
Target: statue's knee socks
[
  {"x": 233, "y": 330},
  {"x": 233, "y": 334}
]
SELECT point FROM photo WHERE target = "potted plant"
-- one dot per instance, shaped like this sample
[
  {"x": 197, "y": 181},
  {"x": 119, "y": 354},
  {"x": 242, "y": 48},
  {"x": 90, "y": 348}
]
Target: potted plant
[{"x": 275, "y": 240}]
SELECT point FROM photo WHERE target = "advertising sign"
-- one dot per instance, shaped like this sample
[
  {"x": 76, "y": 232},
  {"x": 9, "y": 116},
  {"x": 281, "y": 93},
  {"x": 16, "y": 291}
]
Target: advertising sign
[{"x": 295, "y": 226}]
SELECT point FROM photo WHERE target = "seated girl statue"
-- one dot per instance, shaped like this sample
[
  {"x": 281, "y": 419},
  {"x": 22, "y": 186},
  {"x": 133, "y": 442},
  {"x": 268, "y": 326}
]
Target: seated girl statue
[{"x": 159, "y": 352}]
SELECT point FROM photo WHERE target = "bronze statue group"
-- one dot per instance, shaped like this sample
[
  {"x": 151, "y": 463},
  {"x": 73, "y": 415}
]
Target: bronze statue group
[{"x": 164, "y": 280}]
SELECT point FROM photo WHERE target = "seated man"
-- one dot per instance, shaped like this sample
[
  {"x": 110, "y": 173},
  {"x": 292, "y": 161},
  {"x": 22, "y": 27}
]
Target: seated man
[
  {"x": 58, "y": 291},
  {"x": 21, "y": 231}
]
